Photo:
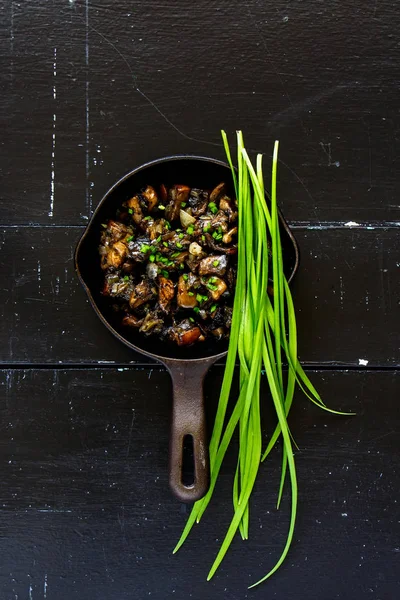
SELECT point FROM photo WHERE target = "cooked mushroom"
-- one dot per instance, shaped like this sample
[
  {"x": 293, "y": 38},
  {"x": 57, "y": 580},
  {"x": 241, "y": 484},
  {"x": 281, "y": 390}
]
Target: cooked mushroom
[
  {"x": 227, "y": 238},
  {"x": 134, "y": 208},
  {"x": 185, "y": 334},
  {"x": 151, "y": 323},
  {"x": 115, "y": 256},
  {"x": 217, "y": 287},
  {"x": 177, "y": 195},
  {"x": 132, "y": 321},
  {"x": 213, "y": 265},
  {"x": 166, "y": 292},
  {"x": 151, "y": 196},
  {"x": 185, "y": 297},
  {"x": 141, "y": 294},
  {"x": 217, "y": 192}
]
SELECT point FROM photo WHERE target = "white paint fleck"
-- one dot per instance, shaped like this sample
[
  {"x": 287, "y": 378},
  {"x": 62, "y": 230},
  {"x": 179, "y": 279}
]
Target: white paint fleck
[
  {"x": 341, "y": 291},
  {"x": 53, "y": 144},
  {"x": 39, "y": 274},
  {"x": 45, "y": 587},
  {"x": 57, "y": 286},
  {"x": 66, "y": 275},
  {"x": 352, "y": 224},
  {"x": 285, "y": 19},
  {"x": 344, "y": 515},
  {"x": 30, "y": 592},
  {"x": 363, "y": 362}
]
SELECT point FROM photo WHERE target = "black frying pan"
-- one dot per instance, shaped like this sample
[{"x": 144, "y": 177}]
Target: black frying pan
[{"x": 187, "y": 366}]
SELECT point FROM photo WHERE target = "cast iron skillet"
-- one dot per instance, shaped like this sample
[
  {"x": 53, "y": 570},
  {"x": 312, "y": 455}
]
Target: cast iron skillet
[{"x": 187, "y": 366}]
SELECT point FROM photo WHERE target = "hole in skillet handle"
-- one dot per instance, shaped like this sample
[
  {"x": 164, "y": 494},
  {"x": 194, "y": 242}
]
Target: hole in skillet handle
[{"x": 188, "y": 473}]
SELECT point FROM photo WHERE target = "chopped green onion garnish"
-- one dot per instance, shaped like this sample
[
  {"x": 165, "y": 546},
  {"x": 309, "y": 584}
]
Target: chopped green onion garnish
[
  {"x": 104, "y": 225},
  {"x": 181, "y": 236},
  {"x": 165, "y": 273},
  {"x": 181, "y": 266},
  {"x": 191, "y": 319},
  {"x": 213, "y": 308},
  {"x": 165, "y": 244},
  {"x": 130, "y": 211},
  {"x": 190, "y": 294},
  {"x": 144, "y": 248},
  {"x": 196, "y": 309},
  {"x": 215, "y": 234},
  {"x": 185, "y": 277},
  {"x": 130, "y": 238},
  {"x": 148, "y": 218},
  {"x": 215, "y": 263},
  {"x": 152, "y": 258},
  {"x": 175, "y": 254},
  {"x": 161, "y": 206},
  {"x": 190, "y": 229},
  {"x": 203, "y": 237},
  {"x": 183, "y": 204},
  {"x": 213, "y": 207},
  {"x": 158, "y": 239},
  {"x": 178, "y": 245},
  {"x": 199, "y": 298},
  {"x": 126, "y": 278}
]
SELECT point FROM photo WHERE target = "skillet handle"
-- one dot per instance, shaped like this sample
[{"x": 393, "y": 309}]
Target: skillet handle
[{"x": 188, "y": 424}]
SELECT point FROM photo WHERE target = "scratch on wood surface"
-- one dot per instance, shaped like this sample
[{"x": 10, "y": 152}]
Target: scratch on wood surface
[
  {"x": 53, "y": 144},
  {"x": 130, "y": 432},
  {"x": 138, "y": 90},
  {"x": 87, "y": 120},
  {"x": 327, "y": 148},
  {"x": 45, "y": 587}
]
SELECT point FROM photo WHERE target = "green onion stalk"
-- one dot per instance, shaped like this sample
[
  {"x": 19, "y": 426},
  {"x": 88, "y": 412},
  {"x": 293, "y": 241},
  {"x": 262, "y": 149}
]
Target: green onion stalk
[{"x": 263, "y": 336}]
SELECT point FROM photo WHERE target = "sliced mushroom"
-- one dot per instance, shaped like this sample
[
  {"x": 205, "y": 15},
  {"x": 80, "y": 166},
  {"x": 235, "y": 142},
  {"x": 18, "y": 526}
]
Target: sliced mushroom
[
  {"x": 116, "y": 230},
  {"x": 116, "y": 255},
  {"x": 220, "y": 286},
  {"x": 185, "y": 298},
  {"x": 142, "y": 293},
  {"x": 213, "y": 265},
  {"x": 217, "y": 192},
  {"x": 166, "y": 292},
  {"x": 151, "y": 196},
  {"x": 185, "y": 334},
  {"x": 132, "y": 321},
  {"x": 177, "y": 195},
  {"x": 225, "y": 204},
  {"x": 137, "y": 213}
]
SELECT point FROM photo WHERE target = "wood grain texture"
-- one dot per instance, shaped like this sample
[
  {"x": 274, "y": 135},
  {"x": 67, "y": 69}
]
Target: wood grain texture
[
  {"x": 86, "y": 506},
  {"x": 93, "y": 89},
  {"x": 137, "y": 81},
  {"x": 347, "y": 297}
]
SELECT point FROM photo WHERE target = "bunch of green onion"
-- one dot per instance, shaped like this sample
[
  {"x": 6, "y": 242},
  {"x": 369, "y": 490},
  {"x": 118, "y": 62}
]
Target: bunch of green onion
[{"x": 263, "y": 335}]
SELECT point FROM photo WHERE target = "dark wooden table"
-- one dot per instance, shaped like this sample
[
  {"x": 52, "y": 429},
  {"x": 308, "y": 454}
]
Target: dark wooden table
[{"x": 92, "y": 89}]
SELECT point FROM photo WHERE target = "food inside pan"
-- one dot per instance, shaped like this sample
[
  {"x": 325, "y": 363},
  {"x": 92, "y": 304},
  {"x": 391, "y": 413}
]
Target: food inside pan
[{"x": 169, "y": 260}]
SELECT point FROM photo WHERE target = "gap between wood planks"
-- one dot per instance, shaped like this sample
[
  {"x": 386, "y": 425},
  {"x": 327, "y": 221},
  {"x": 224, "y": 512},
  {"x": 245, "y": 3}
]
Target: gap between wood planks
[{"x": 110, "y": 365}]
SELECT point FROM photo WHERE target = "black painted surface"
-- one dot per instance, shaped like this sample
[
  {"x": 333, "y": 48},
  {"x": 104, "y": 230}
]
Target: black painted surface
[{"x": 91, "y": 90}]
